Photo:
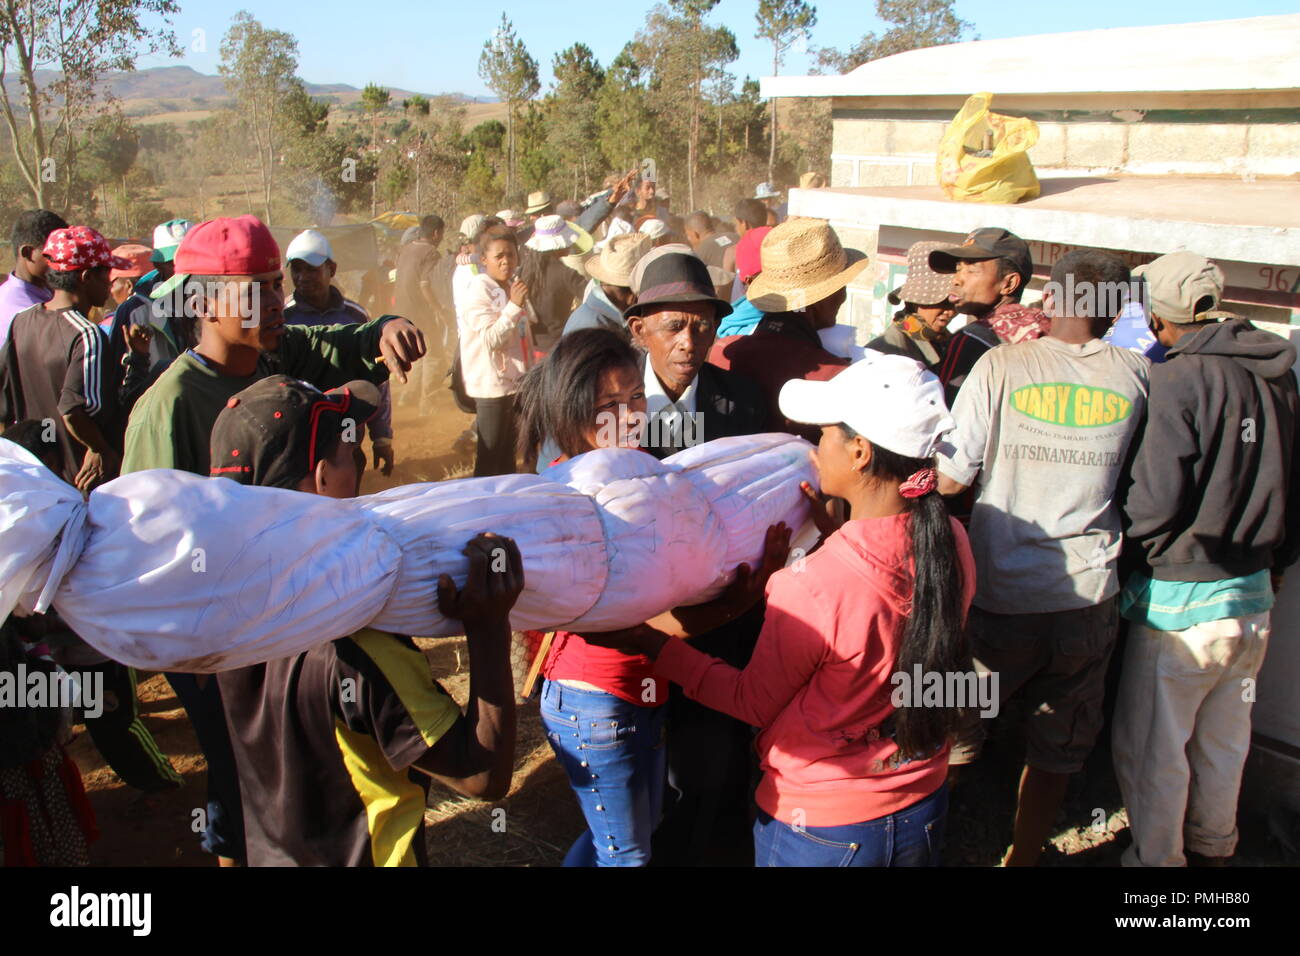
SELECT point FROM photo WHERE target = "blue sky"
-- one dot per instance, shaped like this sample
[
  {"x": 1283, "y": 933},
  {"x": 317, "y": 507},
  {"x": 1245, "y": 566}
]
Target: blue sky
[{"x": 434, "y": 47}]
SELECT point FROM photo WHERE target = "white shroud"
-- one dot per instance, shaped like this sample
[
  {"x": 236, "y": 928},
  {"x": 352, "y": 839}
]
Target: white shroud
[{"x": 168, "y": 570}]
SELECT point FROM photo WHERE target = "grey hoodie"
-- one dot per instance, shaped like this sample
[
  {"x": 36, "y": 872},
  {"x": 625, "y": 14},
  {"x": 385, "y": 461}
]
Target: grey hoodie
[{"x": 1211, "y": 477}]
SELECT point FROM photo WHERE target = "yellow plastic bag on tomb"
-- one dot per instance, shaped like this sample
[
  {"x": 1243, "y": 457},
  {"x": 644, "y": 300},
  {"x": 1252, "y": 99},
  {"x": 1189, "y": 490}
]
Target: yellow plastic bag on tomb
[{"x": 984, "y": 156}]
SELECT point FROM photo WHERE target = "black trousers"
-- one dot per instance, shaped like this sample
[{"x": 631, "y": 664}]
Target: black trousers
[
  {"x": 712, "y": 767},
  {"x": 496, "y": 431},
  {"x": 122, "y": 737}
]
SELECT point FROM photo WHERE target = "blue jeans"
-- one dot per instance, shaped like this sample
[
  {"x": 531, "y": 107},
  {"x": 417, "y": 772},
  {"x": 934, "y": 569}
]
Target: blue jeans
[
  {"x": 614, "y": 753},
  {"x": 912, "y": 836}
]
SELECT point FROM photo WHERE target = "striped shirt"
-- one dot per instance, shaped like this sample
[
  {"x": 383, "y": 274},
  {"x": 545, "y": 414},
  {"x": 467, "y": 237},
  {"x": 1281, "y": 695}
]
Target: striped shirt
[{"x": 56, "y": 362}]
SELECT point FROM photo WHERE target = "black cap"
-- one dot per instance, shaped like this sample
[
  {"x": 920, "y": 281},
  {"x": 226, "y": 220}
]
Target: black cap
[
  {"x": 676, "y": 277},
  {"x": 269, "y": 434},
  {"x": 989, "y": 243}
]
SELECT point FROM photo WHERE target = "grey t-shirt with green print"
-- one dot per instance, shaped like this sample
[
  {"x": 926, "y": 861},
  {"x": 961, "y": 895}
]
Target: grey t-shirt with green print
[{"x": 1046, "y": 426}]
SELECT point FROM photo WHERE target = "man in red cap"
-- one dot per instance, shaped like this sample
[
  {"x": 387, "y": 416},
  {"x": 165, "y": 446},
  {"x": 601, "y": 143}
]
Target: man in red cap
[
  {"x": 138, "y": 264},
  {"x": 228, "y": 277},
  {"x": 56, "y": 367}
]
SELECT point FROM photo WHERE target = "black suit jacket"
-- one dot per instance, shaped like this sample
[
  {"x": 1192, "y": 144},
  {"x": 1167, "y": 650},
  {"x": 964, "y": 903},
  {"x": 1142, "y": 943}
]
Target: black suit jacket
[{"x": 728, "y": 404}]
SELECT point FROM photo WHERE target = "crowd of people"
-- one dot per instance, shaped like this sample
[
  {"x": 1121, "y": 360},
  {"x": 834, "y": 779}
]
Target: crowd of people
[{"x": 1009, "y": 499}]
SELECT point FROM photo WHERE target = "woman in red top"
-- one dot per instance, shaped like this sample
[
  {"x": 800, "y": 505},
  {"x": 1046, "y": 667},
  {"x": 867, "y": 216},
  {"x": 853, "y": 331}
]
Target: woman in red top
[
  {"x": 603, "y": 708},
  {"x": 856, "y": 678}
]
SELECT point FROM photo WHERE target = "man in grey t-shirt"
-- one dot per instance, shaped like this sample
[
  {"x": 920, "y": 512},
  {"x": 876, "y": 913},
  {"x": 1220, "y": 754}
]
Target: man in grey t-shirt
[{"x": 1045, "y": 426}]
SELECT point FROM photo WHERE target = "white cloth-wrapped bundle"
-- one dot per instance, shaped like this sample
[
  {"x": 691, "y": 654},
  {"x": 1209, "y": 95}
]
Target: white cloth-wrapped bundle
[
  {"x": 42, "y": 530},
  {"x": 750, "y": 483},
  {"x": 663, "y": 539},
  {"x": 167, "y": 570},
  {"x": 557, "y": 530},
  {"x": 197, "y": 575}
]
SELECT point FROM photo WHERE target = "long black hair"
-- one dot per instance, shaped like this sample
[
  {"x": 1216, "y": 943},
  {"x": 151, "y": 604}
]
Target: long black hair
[
  {"x": 934, "y": 635},
  {"x": 557, "y": 399}
]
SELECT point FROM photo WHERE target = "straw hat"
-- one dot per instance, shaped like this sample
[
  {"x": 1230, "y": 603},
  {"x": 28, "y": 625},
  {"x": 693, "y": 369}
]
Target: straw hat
[
  {"x": 812, "y": 180},
  {"x": 538, "y": 202},
  {"x": 615, "y": 262},
  {"x": 552, "y": 232},
  {"x": 803, "y": 263},
  {"x": 923, "y": 285}
]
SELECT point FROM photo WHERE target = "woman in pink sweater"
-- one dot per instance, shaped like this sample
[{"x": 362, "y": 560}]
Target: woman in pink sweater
[{"x": 854, "y": 756}]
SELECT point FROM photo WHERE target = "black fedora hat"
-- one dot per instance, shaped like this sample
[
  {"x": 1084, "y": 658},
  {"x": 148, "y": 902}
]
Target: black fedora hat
[{"x": 676, "y": 277}]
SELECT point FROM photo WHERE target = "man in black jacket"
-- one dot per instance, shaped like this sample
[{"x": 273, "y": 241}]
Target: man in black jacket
[
  {"x": 1211, "y": 512},
  {"x": 710, "y": 755},
  {"x": 675, "y": 320}
]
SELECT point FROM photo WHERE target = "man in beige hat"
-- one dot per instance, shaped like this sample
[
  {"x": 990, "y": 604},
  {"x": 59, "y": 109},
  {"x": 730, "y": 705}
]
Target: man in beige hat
[
  {"x": 920, "y": 328},
  {"x": 800, "y": 291},
  {"x": 539, "y": 204},
  {"x": 610, "y": 289}
]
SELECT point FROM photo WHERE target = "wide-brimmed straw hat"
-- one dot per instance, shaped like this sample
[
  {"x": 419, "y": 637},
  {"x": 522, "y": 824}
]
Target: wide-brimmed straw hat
[
  {"x": 538, "y": 202},
  {"x": 552, "y": 232},
  {"x": 923, "y": 286},
  {"x": 803, "y": 263},
  {"x": 614, "y": 263}
]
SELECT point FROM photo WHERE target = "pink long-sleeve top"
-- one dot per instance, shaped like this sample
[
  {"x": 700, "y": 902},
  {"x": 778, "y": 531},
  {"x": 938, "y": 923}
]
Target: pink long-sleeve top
[{"x": 819, "y": 682}]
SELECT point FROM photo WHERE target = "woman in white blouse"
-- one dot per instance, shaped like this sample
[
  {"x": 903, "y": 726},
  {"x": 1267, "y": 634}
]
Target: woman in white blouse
[{"x": 496, "y": 347}]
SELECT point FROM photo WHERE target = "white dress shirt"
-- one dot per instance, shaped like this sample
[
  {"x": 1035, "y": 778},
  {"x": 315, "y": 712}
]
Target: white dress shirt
[{"x": 665, "y": 418}]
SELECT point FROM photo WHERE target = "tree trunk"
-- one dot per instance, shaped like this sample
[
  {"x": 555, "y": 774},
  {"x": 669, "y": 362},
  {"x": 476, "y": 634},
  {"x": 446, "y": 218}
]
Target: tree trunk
[{"x": 771, "y": 154}]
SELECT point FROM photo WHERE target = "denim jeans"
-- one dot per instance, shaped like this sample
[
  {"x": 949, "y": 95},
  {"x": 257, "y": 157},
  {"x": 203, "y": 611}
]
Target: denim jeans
[
  {"x": 613, "y": 753},
  {"x": 912, "y": 836}
]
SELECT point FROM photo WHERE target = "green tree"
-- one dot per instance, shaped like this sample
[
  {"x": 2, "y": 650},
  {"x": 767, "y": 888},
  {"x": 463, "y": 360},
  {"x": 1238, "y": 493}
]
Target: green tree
[
  {"x": 483, "y": 179},
  {"x": 683, "y": 53},
  {"x": 782, "y": 23},
  {"x": 259, "y": 67},
  {"x": 374, "y": 100},
  {"x": 511, "y": 73},
  {"x": 913, "y": 24},
  {"x": 536, "y": 157},
  {"x": 80, "y": 41},
  {"x": 109, "y": 150},
  {"x": 570, "y": 119},
  {"x": 625, "y": 130}
]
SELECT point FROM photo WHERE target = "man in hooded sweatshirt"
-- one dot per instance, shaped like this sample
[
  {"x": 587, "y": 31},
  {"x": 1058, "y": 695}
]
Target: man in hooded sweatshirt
[{"x": 1209, "y": 510}]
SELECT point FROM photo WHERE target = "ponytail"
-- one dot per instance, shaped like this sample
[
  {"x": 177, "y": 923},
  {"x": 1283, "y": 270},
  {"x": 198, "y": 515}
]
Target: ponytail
[{"x": 934, "y": 635}]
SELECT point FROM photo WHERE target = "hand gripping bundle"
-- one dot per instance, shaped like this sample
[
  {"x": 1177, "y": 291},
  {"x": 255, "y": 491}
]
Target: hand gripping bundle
[{"x": 168, "y": 570}]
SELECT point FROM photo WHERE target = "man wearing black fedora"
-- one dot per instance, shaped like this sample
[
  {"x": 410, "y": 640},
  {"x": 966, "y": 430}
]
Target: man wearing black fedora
[
  {"x": 675, "y": 320},
  {"x": 710, "y": 755}
]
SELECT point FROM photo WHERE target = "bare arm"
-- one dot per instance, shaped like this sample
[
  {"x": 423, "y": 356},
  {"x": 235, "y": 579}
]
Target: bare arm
[
  {"x": 102, "y": 462},
  {"x": 476, "y": 756}
]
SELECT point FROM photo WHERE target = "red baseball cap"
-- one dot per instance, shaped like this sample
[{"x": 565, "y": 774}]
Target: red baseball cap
[
  {"x": 79, "y": 247},
  {"x": 138, "y": 262},
  {"x": 224, "y": 247},
  {"x": 748, "y": 262}
]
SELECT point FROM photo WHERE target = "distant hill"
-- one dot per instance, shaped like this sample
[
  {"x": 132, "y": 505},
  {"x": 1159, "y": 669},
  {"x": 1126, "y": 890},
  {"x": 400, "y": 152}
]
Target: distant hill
[{"x": 160, "y": 90}]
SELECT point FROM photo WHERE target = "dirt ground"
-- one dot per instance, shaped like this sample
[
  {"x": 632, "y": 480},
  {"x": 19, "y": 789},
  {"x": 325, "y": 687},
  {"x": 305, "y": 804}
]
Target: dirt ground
[{"x": 541, "y": 817}]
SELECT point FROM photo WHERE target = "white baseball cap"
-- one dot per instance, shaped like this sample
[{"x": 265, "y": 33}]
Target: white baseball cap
[
  {"x": 890, "y": 400},
  {"x": 654, "y": 228},
  {"x": 311, "y": 247},
  {"x": 167, "y": 237},
  {"x": 766, "y": 191}
]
